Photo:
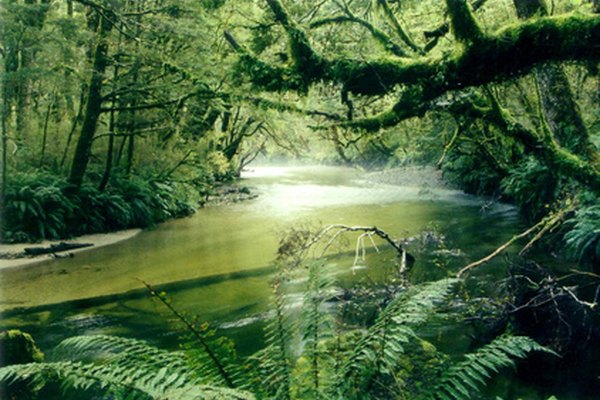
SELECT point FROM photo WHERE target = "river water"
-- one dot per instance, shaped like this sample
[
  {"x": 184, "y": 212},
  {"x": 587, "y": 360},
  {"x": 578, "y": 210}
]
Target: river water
[{"x": 217, "y": 264}]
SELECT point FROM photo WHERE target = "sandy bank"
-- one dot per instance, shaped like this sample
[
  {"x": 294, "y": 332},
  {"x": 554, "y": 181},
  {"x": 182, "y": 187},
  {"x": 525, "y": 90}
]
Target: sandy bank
[{"x": 8, "y": 251}]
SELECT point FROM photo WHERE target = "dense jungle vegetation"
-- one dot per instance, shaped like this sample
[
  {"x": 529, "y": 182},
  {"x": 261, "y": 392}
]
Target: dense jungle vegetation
[{"x": 126, "y": 113}]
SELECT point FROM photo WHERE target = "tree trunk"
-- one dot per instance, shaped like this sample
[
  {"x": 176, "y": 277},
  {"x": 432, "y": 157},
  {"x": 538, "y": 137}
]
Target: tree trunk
[
  {"x": 45, "y": 131},
  {"x": 558, "y": 105},
  {"x": 4, "y": 165},
  {"x": 93, "y": 106},
  {"x": 111, "y": 124}
]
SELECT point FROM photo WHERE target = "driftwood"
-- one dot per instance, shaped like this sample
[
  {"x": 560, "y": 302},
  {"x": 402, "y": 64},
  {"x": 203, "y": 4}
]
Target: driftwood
[{"x": 54, "y": 248}]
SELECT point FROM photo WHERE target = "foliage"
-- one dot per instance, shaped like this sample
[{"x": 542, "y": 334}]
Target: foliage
[
  {"x": 129, "y": 369},
  {"x": 36, "y": 207},
  {"x": 532, "y": 185},
  {"x": 40, "y": 205},
  {"x": 466, "y": 377},
  {"x": 387, "y": 359},
  {"x": 583, "y": 238}
]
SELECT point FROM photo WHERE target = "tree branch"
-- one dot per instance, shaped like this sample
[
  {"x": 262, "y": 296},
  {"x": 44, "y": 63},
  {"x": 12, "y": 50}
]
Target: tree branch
[{"x": 377, "y": 34}]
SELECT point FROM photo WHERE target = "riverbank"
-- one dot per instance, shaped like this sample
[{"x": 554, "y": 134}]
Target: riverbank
[{"x": 12, "y": 255}]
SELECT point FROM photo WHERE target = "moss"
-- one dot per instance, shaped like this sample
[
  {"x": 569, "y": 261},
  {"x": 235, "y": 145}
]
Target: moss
[
  {"x": 464, "y": 25},
  {"x": 17, "y": 347}
]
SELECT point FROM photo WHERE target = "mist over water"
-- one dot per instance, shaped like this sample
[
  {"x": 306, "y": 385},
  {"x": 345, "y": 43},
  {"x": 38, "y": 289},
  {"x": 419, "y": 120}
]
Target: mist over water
[{"x": 217, "y": 263}]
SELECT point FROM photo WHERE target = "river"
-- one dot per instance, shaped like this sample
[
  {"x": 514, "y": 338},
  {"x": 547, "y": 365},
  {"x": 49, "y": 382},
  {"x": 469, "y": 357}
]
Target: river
[{"x": 217, "y": 264}]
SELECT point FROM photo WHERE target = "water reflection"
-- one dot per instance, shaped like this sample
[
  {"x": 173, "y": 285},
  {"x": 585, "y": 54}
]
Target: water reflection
[{"x": 216, "y": 264}]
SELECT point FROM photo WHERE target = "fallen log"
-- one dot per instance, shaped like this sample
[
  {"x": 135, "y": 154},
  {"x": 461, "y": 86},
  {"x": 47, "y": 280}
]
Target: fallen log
[{"x": 54, "y": 248}]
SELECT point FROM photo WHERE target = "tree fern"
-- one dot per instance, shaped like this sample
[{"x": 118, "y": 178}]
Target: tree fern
[
  {"x": 129, "y": 369},
  {"x": 462, "y": 379}
]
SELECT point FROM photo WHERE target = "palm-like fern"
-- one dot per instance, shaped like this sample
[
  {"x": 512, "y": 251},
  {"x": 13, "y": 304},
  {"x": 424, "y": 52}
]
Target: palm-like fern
[
  {"x": 272, "y": 366},
  {"x": 584, "y": 237},
  {"x": 378, "y": 352},
  {"x": 466, "y": 377},
  {"x": 317, "y": 326},
  {"x": 130, "y": 369}
]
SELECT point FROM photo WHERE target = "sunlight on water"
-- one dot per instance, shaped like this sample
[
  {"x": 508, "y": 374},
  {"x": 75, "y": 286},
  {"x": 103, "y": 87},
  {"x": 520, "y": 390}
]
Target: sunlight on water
[{"x": 217, "y": 263}]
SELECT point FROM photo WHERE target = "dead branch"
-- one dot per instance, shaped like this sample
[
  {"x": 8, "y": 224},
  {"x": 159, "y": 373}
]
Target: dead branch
[{"x": 499, "y": 249}]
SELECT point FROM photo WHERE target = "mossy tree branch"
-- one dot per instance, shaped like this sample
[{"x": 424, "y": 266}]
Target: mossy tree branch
[
  {"x": 542, "y": 146},
  {"x": 402, "y": 34},
  {"x": 377, "y": 34},
  {"x": 311, "y": 65},
  {"x": 509, "y": 53},
  {"x": 463, "y": 22}
]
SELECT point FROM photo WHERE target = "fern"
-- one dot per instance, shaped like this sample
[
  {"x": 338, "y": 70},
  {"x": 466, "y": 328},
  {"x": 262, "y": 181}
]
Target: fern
[
  {"x": 584, "y": 238},
  {"x": 378, "y": 352},
  {"x": 130, "y": 369},
  {"x": 273, "y": 373},
  {"x": 468, "y": 376},
  {"x": 317, "y": 326}
]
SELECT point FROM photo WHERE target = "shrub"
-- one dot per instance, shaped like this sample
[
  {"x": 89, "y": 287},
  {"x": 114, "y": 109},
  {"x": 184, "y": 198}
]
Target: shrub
[{"x": 36, "y": 207}]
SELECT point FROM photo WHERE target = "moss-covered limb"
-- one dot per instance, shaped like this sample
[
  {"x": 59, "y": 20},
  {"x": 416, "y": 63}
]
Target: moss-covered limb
[
  {"x": 561, "y": 112},
  {"x": 545, "y": 148},
  {"x": 377, "y": 34},
  {"x": 558, "y": 105},
  {"x": 402, "y": 34},
  {"x": 286, "y": 107},
  {"x": 412, "y": 103},
  {"x": 511, "y": 52},
  {"x": 435, "y": 34},
  {"x": 525, "y": 45},
  {"x": 463, "y": 22},
  {"x": 506, "y": 54},
  {"x": 311, "y": 65},
  {"x": 262, "y": 74}
]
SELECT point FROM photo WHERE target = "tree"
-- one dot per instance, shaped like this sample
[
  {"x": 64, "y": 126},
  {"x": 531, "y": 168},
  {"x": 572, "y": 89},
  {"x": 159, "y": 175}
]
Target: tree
[{"x": 420, "y": 83}]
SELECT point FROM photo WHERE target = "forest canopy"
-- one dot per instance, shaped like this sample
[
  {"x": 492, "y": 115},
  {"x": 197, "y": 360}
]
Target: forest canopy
[{"x": 118, "y": 114}]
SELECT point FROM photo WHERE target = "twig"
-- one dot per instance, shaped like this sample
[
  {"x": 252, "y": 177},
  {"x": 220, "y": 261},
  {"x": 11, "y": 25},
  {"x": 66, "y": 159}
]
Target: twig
[{"x": 500, "y": 249}]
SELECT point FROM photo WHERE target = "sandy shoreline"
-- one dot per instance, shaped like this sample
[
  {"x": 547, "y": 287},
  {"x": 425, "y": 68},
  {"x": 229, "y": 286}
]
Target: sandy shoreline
[{"x": 98, "y": 240}]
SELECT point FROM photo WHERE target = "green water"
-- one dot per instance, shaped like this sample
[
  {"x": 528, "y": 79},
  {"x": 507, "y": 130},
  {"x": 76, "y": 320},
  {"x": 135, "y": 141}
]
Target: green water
[{"x": 217, "y": 263}]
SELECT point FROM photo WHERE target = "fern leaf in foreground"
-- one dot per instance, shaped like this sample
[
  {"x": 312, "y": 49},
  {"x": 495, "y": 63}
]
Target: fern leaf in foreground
[
  {"x": 468, "y": 376},
  {"x": 130, "y": 369},
  {"x": 379, "y": 350}
]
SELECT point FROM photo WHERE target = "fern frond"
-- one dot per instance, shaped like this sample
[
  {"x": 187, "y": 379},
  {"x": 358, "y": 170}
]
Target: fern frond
[
  {"x": 273, "y": 365},
  {"x": 117, "y": 381},
  {"x": 584, "y": 237},
  {"x": 416, "y": 305},
  {"x": 126, "y": 366},
  {"x": 207, "y": 393},
  {"x": 468, "y": 376},
  {"x": 135, "y": 356},
  {"x": 378, "y": 351},
  {"x": 317, "y": 325},
  {"x": 72, "y": 377}
]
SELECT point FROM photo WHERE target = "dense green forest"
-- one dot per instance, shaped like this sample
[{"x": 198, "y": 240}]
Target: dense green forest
[{"x": 121, "y": 114}]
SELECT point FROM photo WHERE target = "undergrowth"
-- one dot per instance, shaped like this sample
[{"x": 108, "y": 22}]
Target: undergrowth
[
  {"x": 40, "y": 205},
  {"x": 310, "y": 354}
]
